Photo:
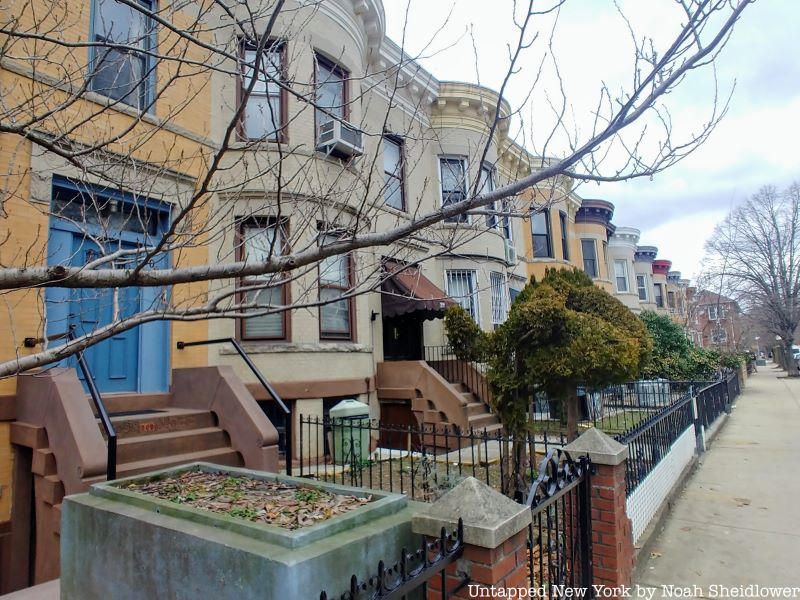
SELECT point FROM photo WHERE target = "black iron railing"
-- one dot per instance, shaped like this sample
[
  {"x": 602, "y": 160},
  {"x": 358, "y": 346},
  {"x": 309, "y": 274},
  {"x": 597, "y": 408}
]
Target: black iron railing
[
  {"x": 560, "y": 533},
  {"x": 264, "y": 383},
  {"x": 414, "y": 572},
  {"x": 652, "y": 439},
  {"x": 423, "y": 462},
  {"x": 94, "y": 393},
  {"x": 717, "y": 398}
]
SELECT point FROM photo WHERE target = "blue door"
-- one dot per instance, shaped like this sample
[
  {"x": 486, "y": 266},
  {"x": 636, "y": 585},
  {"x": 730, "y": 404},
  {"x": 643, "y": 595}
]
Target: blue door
[
  {"x": 87, "y": 222},
  {"x": 114, "y": 362}
]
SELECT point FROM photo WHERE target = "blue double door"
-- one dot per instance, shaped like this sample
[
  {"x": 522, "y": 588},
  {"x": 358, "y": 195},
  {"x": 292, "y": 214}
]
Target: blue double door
[
  {"x": 114, "y": 362},
  {"x": 135, "y": 359}
]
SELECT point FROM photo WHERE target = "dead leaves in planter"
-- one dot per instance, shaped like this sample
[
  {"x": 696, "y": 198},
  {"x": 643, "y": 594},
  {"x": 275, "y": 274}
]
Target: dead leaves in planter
[{"x": 276, "y": 503}]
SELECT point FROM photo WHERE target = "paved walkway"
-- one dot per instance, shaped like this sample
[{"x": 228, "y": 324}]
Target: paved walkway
[{"x": 737, "y": 522}]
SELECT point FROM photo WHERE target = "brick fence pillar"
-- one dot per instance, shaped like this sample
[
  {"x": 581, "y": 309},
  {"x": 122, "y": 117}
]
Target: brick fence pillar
[
  {"x": 612, "y": 538},
  {"x": 495, "y": 538}
]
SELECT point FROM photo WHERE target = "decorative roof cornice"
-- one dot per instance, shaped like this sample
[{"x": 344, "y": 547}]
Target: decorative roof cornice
[
  {"x": 625, "y": 236},
  {"x": 594, "y": 210},
  {"x": 645, "y": 253},
  {"x": 661, "y": 267}
]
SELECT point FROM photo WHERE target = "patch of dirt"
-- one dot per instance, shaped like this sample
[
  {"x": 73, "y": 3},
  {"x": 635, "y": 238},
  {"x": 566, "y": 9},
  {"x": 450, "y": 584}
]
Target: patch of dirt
[{"x": 275, "y": 503}]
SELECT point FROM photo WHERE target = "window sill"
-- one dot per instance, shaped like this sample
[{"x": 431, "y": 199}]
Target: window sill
[{"x": 265, "y": 347}]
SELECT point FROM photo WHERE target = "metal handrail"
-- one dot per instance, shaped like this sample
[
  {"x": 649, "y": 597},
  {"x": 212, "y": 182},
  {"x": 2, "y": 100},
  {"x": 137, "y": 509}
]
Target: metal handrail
[
  {"x": 261, "y": 379},
  {"x": 97, "y": 399}
]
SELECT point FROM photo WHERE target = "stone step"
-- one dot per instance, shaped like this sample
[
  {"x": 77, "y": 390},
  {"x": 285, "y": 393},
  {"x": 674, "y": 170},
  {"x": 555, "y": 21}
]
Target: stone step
[
  {"x": 217, "y": 456},
  {"x": 124, "y": 402},
  {"x": 475, "y": 408},
  {"x": 481, "y": 420},
  {"x": 165, "y": 445},
  {"x": 168, "y": 420}
]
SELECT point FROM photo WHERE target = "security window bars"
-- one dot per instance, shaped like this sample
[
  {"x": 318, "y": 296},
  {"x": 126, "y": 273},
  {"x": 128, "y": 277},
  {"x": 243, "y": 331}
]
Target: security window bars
[
  {"x": 542, "y": 239},
  {"x": 589, "y": 251},
  {"x": 335, "y": 275},
  {"x": 719, "y": 336},
  {"x": 331, "y": 91},
  {"x": 393, "y": 172},
  {"x": 453, "y": 175},
  {"x": 621, "y": 275},
  {"x": 659, "y": 295},
  {"x": 263, "y": 116},
  {"x": 564, "y": 222},
  {"x": 641, "y": 286},
  {"x": 500, "y": 297},
  {"x": 261, "y": 239},
  {"x": 462, "y": 287},
  {"x": 122, "y": 72}
]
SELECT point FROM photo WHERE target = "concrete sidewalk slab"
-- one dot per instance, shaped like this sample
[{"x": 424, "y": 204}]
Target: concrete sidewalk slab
[{"x": 737, "y": 521}]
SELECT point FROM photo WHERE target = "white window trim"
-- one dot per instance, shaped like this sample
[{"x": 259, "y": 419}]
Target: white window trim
[
  {"x": 644, "y": 287},
  {"x": 624, "y": 276},
  {"x": 504, "y": 298}
]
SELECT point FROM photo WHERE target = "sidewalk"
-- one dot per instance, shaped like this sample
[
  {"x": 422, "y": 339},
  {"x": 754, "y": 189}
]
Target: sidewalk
[{"x": 737, "y": 522}]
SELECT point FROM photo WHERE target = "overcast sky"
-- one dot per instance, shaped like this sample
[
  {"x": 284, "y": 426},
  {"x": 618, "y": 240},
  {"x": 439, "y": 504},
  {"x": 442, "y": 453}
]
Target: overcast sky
[{"x": 678, "y": 209}]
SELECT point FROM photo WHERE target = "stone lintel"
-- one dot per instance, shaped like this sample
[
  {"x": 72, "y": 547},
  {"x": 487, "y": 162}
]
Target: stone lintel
[
  {"x": 489, "y": 517},
  {"x": 601, "y": 448}
]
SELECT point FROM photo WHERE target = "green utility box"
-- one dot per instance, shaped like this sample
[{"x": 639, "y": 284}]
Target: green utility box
[{"x": 350, "y": 432}]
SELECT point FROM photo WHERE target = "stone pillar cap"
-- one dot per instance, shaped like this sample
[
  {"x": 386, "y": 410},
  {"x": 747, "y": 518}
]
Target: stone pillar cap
[
  {"x": 489, "y": 517},
  {"x": 600, "y": 447}
]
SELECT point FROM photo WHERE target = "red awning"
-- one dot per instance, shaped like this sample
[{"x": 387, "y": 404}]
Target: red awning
[{"x": 406, "y": 290}]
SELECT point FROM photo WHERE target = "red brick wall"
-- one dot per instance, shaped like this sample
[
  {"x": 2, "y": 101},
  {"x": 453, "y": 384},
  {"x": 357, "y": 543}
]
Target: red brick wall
[{"x": 612, "y": 541}]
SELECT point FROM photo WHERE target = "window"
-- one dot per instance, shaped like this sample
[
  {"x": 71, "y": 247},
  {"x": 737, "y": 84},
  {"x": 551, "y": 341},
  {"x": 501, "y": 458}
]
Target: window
[
  {"x": 500, "y": 298},
  {"x": 641, "y": 286},
  {"x": 621, "y": 275},
  {"x": 335, "y": 273},
  {"x": 671, "y": 300},
  {"x": 122, "y": 73},
  {"x": 263, "y": 117},
  {"x": 331, "y": 91},
  {"x": 486, "y": 184},
  {"x": 461, "y": 287},
  {"x": 719, "y": 336},
  {"x": 393, "y": 172},
  {"x": 259, "y": 240},
  {"x": 508, "y": 206},
  {"x": 659, "y": 295},
  {"x": 453, "y": 175},
  {"x": 563, "y": 221},
  {"x": 715, "y": 312},
  {"x": 540, "y": 229},
  {"x": 513, "y": 293},
  {"x": 589, "y": 250}
]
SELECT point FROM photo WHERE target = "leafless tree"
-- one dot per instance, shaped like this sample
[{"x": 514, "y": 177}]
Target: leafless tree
[
  {"x": 61, "y": 101},
  {"x": 754, "y": 257}
]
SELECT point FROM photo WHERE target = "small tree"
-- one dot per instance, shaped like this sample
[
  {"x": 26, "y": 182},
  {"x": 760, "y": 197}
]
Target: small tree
[
  {"x": 561, "y": 333},
  {"x": 674, "y": 355}
]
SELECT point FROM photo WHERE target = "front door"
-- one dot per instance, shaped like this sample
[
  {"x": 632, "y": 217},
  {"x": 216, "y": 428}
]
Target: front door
[
  {"x": 114, "y": 362},
  {"x": 402, "y": 338}
]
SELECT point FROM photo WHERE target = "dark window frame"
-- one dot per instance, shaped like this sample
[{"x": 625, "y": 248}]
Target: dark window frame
[
  {"x": 351, "y": 309},
  {"x": 445, "y": 201},
  {"x": 563, "y": 221},
  {"x": 658, "y": 294},
  {"x": 594, "y": 273},
  {"x": 401, "y": 177},
  {"x": 282, "y": 134},
  {"x": 548, "y": 236},
  {"x": 263, "y": 222},
  {"x": 344, "y": 74}
]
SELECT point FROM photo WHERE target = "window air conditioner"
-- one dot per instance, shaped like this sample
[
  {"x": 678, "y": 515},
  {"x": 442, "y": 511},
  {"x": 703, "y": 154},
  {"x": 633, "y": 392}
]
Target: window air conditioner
[
  {"x": 340, "y": 139},
  {"x": 511, "y": 253}
]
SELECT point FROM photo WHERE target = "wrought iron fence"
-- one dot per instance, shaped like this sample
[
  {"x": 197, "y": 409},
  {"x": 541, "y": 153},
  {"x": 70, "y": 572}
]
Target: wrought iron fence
[
  {"x": 651, "y": 440},
  {"x": 560, "y": 534},
  {"x": 421, "y": 461},
  {"x": 717, "y": 398},
  {"x": 412, "y": 573}
]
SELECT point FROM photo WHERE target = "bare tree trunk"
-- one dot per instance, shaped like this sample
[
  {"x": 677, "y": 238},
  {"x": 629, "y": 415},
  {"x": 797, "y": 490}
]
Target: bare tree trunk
[
  {"x": 572, "y": 417},
  {"x": 790, "y": 362}
]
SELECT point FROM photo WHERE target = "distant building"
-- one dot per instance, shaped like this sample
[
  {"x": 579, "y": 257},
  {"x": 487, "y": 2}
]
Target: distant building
[{"x": 715, "y": 321}]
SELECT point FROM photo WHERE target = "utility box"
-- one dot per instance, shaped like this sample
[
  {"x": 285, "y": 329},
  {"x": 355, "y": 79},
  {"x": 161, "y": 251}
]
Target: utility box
[{"x": 350, "y": 432}]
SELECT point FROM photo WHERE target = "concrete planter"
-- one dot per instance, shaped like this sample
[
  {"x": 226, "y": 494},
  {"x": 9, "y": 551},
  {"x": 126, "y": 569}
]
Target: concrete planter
[{"x": 121, "y": 544}]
